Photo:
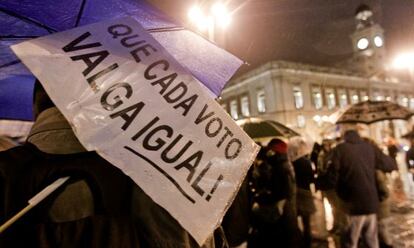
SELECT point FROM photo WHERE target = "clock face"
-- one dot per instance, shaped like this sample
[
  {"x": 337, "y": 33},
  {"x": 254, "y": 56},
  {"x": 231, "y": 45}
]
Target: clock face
[
  {"x": 378, "y": 41},
  {"x": 362, "y": 43}
]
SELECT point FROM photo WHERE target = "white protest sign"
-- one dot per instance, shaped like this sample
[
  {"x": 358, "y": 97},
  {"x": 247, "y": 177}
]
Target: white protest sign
[{"x": 129, "y": 100}]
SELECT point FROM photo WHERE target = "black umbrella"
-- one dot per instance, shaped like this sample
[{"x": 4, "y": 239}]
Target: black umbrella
[
  {"x": 259, "y": 128},
  {"x": 368, "y": 112}
]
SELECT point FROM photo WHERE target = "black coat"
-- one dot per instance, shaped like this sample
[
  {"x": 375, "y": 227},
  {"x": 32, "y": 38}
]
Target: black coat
[
  {"x": 353, "y": 165},
  {"x": 122, "y": 214},
  {"x": 303, "y": 172}
]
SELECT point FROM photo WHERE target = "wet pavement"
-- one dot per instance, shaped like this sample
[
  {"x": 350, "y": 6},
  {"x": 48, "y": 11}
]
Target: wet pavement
[{"x": 400, "y": 225}]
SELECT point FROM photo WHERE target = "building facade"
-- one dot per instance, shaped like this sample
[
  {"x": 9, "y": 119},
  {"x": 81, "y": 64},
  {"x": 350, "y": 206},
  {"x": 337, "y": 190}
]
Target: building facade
[{"x": 305, "y": 97}]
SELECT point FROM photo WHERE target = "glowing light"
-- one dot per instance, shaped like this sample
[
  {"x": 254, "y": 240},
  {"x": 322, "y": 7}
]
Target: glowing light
[
  {"x": 378, "y": 41},
  {"x": 406, "y": 148},
  {"x": 224, "y": 21},
  {"x": 405, "y": 60},
  {"x": 195, "y": 13},
  {"x": 218, "y": 16},
  {"x": 317, "y": 118},
  {"x": 222, "y": 16},
  {"x": 329, "y": 218},
  {"x": 204, "y": 22},
  {"x": 362, "y": 43},
  {"x": 218, "y": 9}
]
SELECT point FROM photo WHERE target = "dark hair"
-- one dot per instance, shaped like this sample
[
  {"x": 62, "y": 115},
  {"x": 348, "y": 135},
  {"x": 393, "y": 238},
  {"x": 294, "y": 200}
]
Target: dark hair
[{"x": 41, "y": 100}]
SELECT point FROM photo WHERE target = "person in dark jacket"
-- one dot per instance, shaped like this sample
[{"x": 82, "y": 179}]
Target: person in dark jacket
[
  {"x": 353, "y": 175},
  {"x": 304, "y": 198},
  {"x": 299, "y": 151},
  {"x": 98, "y": 207},
  {"x": 274, "y": 209}
]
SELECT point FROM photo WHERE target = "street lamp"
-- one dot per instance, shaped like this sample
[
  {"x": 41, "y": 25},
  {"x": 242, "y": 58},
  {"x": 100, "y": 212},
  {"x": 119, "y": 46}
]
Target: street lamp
[
  {"x": 405, "y": 61},
  {"x": 209, "y": 19}
]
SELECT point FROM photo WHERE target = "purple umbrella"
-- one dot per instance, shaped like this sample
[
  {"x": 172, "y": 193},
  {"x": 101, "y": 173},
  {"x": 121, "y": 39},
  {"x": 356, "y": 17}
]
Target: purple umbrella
[{"x": 26, "y": 19}]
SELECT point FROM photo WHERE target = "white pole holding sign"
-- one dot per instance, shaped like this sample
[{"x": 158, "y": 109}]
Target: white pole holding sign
[
  {"x": 34, "y": 201},
  {"x": 129, "y": 100}
]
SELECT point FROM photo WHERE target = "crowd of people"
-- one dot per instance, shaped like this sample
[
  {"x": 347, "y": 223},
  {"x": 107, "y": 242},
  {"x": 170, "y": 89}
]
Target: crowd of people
[
  {"x": 102, "y": 207},
  {"x": 350, "y": 173}
]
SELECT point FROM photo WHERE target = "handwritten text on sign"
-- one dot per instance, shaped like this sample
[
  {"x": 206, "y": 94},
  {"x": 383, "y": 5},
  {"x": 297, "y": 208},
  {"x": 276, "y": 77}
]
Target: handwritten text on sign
[{"x": 127, "y": 98}]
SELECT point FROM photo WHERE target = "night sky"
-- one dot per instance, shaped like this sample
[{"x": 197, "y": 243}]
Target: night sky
[{"x": 308, "y": 31}]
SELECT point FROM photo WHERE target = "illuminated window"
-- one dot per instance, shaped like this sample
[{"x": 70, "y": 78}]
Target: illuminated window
[
  {"x": 245, "y": 106},
  {"x": 261, "y": 101},
  {"x": 354, "y": 96},
  {"x": 411, "y": 102},
  {"x": 233, "y": 109},
  {"x": 343, "y": 98},
  {"x": 301, "y": 121},
  {"x": 364, "y": 96},
  {"x": 317, "y": 98},
  {"x": 298, "y": 97},
  {"x": 378, "y": 96},
  {"x": 330, "y": 98},
  {"x": 403, "y": 100}
]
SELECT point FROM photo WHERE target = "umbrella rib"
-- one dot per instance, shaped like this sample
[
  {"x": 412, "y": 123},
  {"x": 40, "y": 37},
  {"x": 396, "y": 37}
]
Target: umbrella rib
[
  {"x": 8, "y": 12},
  {"x": 18, "y": 37},
  {"x": 80, "y": 12},
  {"x": 10, "y": 63},
  {"x": 158, "y": 30}
]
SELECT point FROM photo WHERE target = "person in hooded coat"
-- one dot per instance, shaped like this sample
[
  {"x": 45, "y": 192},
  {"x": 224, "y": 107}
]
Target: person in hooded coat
[
  {"x": 299, "y": 151},
  {"x": 353, "y": 175},
  {"x": 98, "y": 207},
  {"x": 274, "y": 207}
]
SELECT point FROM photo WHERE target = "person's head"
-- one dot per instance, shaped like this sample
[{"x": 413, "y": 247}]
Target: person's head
[
  {"x": 41, "y": 100},
  {"x": 351, "y": 135},
  {"x": 327, "y": 145},
  {"x": 277, "y": 146},
  {"x": 344, "y": 128}
]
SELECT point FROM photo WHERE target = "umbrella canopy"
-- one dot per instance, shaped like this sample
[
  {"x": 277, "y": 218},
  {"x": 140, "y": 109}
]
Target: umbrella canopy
[
  {"x": 26, "y": 19},
  {"x": 334, "y": 117},
  {"x": 368, "y": 112},
  {"x": 298, "y": 147},
  {"x": 259, "y": 128}
]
